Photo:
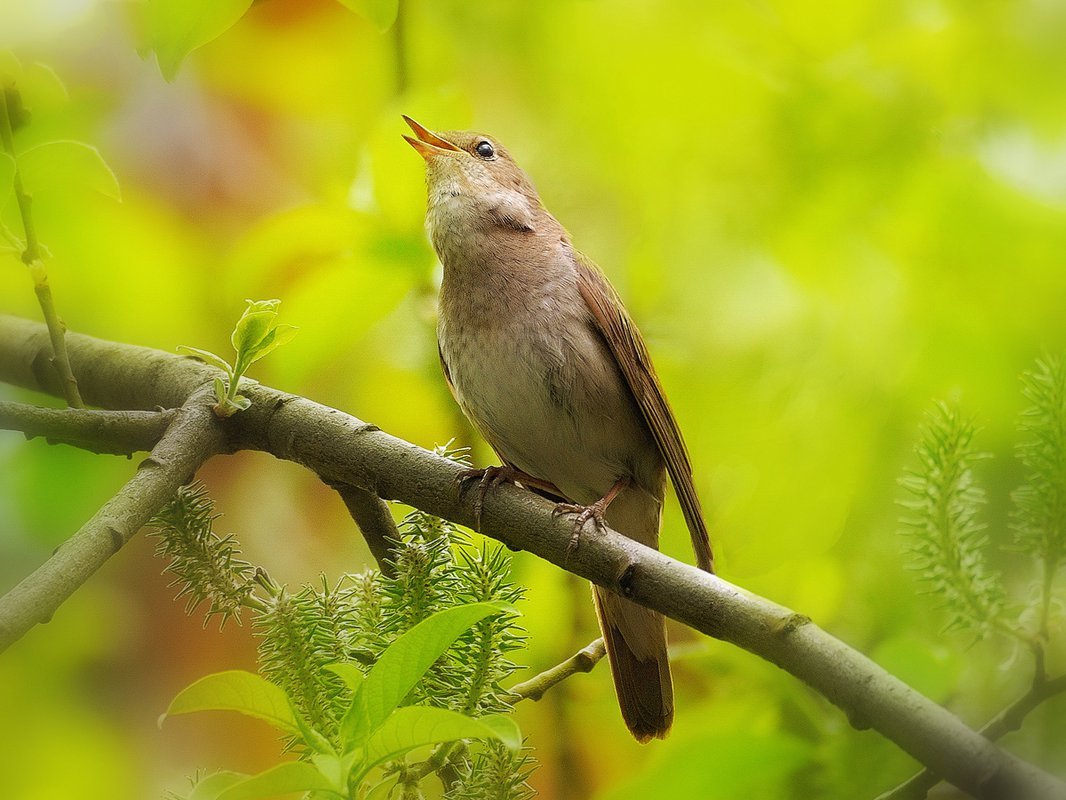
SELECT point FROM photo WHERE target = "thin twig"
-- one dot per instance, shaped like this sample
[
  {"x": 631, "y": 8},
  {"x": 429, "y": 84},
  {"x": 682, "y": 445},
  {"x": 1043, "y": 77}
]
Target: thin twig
[
  {"x": 31, "y": 257},
  {"x": 194, "y": 436},
  {"x": 341, "y": 448},
  {"x": 582, "y": 661},
  {"x": 374, "y": 519},
  {"x": 108, "y": 432}
]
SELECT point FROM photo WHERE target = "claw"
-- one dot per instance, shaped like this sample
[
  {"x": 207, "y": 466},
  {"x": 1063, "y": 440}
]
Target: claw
[
  {"x": 488, "y": 478},
  {"x": 596, "y": 512}
]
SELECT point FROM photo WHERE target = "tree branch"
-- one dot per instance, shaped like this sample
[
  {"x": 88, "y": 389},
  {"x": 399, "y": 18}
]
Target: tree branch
[
  {"x": 582, "y": 661},
  {"x": 106, "y": 432},
  {"x": 1009, "y": 719},
  {"x": 374, "y": 519},
  {"x": 192, "y": 438},
  {"x": 341, "y": 448}
]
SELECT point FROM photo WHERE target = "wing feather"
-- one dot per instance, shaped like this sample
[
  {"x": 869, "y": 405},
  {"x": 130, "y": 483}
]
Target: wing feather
[{"x": 625, "y": 343}]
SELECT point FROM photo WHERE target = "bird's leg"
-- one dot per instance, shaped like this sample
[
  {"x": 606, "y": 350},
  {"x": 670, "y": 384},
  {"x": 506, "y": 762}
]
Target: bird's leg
[
  {"x": 491, "y": 477},
  {"x": 595, "y": 512}
]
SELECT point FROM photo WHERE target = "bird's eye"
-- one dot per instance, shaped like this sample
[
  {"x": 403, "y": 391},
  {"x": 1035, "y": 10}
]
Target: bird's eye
[{"x": 484, "y": 149}]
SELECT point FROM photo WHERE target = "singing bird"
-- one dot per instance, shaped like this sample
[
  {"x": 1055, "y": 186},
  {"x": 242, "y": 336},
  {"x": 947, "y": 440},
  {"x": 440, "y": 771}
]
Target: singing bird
[{"x": 544, "y": 360}]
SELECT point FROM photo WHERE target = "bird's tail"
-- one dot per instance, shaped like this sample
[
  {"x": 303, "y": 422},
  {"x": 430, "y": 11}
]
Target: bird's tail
[{"x": 636, "y": 636}]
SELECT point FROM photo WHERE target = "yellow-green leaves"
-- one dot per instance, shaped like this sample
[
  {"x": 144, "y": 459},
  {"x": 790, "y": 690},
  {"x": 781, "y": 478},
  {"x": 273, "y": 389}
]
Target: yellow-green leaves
[
  {"x": 236, "y": 690},
  {"x": 405, "y": 662},
  {"x": 58, "y": 165},
  {"x": 285, "y": 778},
  {"x": 414, "y": 726},
  {"x": 35, "y": 84},
  {"x": 46, "y": 170},
  {"x": 177, "y": 27},
  {"x": 375, "y": 729},
  {"x": 256, "y": 334}
]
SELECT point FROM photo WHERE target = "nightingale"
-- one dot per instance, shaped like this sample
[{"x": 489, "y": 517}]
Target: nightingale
[{"x": 544, "y": 360}]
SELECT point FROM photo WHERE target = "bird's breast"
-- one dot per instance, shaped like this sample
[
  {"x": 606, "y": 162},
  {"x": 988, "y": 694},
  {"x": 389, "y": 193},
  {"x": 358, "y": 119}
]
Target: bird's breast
[{"x": 532, "y": 374}]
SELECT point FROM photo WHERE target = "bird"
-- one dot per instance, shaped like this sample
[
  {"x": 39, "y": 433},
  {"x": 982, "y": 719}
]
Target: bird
[{"x": 544, "y": 360}]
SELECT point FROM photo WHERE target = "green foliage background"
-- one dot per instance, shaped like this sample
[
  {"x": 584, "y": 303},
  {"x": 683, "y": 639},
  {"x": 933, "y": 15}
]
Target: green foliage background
[{"x": 822, "y": 215}]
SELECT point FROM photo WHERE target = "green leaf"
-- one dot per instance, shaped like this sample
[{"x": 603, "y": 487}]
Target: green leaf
[
  {"x": 312, "y": 738},
  {"x": 336, "y": 768},
  {"x": 292, "y": 776},
  {"x": 177, "y": 27},
  {"x": 253, "y": 326},
  {"x": 275, "y": 338},
  {"x": 241, "y": 402},
  {"x": 220, "y": 390},
  {"x": 506, "y": 729},
  {"x": 64, "y": 163},
  {"x": 211, "y": 786},
  {"x": 415, "y": 726},
  {"x": 207, "y": 357},
  {"x": 255, "y": 306},
  {"x": 404, "y": 663},
  {"x": 380, "y": 13},
  {"x": 348, "y": 672},
  {"x": 42, "y": 90},
  {"x": 237, "y": 690},
  {"x": 251, "y": 330}
]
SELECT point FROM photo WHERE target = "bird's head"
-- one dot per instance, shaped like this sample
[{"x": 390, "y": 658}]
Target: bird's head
[{"x": 470, "y": 166}]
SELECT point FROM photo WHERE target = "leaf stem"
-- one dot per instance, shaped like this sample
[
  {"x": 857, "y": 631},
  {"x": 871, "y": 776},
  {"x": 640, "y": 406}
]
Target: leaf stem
[{"x": 31, "y": 257}]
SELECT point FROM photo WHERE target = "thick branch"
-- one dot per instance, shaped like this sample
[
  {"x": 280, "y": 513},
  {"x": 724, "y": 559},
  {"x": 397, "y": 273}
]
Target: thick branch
[
  {"x": 340, "y": 448},
  {"x": 194, "y": 436},
  {"x": 582, "y": 661},
  {"x": 1009, "y": 719},
  {"x": 110, "y": 432}
]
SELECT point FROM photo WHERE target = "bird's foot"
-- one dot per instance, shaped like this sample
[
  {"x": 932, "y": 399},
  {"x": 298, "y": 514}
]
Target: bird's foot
[
  {"x": 491, "y": 477},
  {"x": 596, "y": 512}
]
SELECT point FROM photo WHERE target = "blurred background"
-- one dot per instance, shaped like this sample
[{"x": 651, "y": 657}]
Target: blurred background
[{"x": 822, "y": 215}]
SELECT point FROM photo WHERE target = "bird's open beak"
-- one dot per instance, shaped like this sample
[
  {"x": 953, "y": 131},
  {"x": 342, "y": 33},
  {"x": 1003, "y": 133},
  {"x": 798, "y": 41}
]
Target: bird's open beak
[{"x": 428, "y": 143}]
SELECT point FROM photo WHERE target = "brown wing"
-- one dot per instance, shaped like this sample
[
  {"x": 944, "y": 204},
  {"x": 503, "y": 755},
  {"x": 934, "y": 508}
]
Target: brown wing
[
  {"x": 447, "y": 373},
  {"x": 625, "y": 342}
]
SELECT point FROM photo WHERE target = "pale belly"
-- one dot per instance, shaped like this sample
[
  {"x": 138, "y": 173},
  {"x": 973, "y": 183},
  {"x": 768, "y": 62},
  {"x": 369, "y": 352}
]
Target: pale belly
[{"x": 552, "y": 405}]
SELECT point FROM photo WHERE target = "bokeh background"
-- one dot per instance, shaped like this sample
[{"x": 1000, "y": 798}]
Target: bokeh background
[{"x": 823, "y": 215}]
